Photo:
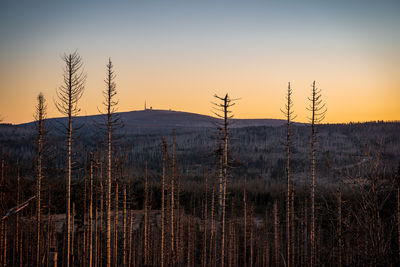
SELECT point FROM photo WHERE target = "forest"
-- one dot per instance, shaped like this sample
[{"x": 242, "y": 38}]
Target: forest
[{"x": 168, "y": 188}]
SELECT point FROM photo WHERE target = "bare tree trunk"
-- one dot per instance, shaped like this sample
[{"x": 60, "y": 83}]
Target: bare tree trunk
[
  {"x": 292, "y": 222},
  {"x": 146, "y": 218},
  {"x": 189, "y": 243},
  {"x": 212, "y": 231},
  {"x": 225, "y": 114},
  {"x": 251, "y": 236},
  {"x": 288, "y": 112},
  {"x": 205, "y": 220},
  {"x": 173, "y": 199},
  {"x": 318, "y": 113},
  {"x": 68, "y": 95},
  {"x": 305, "y": 258},
  {"x": 340, "y": 246},
  {"x": 96, "y": 247},
  {"x": 91, "y": 214},
  {"x": 245, "y": 223},
  {"x": 102, "y": 216},
  {"x": 40, "y": 114},
  {"x": 131, "y": 247},
  {"x": 2, "y": 221},
  {"x": 48, "y": 234},
  {"x": 116, "y": 210},
  {"x": 221, "y": 174},
  {"x": 5, "y": 243},
  {"x": 69, "y": 189},
  {"x": 398, "y": 218},
  {"x": 85, "y": 228},
  {"x": 109, "y": 94},
  {"x": 225, "y": 175},
  {"x": 164, "y": 161},
  {"x": 124, "y": 230},
  {"x": 73, "y": 234},
  {"x": 18, "y": 252}
]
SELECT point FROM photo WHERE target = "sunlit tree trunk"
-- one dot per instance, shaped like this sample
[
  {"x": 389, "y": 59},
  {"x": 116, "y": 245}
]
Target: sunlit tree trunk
[
  {"x": 164, "y": 162},
  {"x": 48, "y": 235},
  {"x": 109, "y": 103},
  {"x": 340, "y": 242},
  {"x": 17, "y": 235},
  {"x": 40, "y": 116},
  {"x": 288, "y": 112},
  {"x": 116, "y": 210},
  {"x": 244, "y": 224},
  {"x": 173, "y": 199},
  {"x": 317, "y": 115},
  {"x": 131, "y": 246},
  {"x": 73, "y": 234},
  {"x": 91, "y": 214},
  {"x": 68, "y": 95},
  {"x": 146, "y": 218},
  {"x": 397, "y": 180},
  {"x": 292, "y": 222},
  {"x": 124, "y": 230}
]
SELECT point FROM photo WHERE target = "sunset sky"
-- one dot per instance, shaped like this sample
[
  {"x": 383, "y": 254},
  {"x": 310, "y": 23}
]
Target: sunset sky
[{"x": 177, "y": 54}]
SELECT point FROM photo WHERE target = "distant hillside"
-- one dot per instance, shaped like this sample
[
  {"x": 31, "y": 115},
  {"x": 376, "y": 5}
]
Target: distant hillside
[{"x": 154, "y": 119}]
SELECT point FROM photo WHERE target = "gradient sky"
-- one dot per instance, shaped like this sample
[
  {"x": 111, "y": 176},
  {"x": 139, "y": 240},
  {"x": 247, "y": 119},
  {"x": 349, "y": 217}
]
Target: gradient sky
[{"x": 177, "y": 54}]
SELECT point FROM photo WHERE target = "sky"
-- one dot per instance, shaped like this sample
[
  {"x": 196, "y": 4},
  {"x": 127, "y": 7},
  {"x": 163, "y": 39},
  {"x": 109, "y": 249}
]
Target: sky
[{"x": 178, "y": 54}]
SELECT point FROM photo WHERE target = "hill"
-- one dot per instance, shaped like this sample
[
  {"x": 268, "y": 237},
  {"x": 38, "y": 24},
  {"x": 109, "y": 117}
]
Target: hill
[{"x": 154, "y": 119}]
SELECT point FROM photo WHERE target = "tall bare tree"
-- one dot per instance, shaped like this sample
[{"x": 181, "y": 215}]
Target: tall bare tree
[
  {"x": 68, "y": 96},
  {"x": 163, "y": 185},
  {"x": 245, "y": 223},
  {"x": 222, "y": 110},
  {"x": 173, "y": 196},
  {"x": 289, "y": 115},
  {"x": 39, "y": 116},
  {"x": 339, "y": 229},
  {"x": 398, "y": 209},
  {"x": 111, "y": 121},
  {"x": 91, "y": 213},
  {"x": 146, "y": 218},
  {"x": 318, "y": 111}
]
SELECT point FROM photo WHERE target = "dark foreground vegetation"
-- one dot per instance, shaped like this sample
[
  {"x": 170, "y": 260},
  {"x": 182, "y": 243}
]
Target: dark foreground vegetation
[{"x": 91, "y": 192}]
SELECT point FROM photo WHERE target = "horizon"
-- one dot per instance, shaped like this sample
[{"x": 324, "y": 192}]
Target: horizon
[
  {"x": 177, "y": 55},
  {"x": 212, "y": 116}
]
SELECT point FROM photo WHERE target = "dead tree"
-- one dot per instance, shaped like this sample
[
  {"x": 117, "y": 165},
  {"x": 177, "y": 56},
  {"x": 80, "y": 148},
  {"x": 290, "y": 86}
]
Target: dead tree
[
  {"x": 18, "y": 217},
  {"x": 173, "y": 197},
  {"x": 68, "y": 96},
  {"x": 164, "y": 166},
  {"x": 245, "y": 223},
  {"x": 292, "y": 222},
  {"x": 40, "y": 116},
  {"x": 339, "y": 230},
  {"x": 111, "y": 121},
  {"x": 73, "y": 234},
  {"x": 289, "y": 115},
  {"x": 318, "y": 111},
  {"x": 91, "y": 213},
  {"x": 116, "y": 210},
  {"x": 222, "y": 111},
  {"x": 146, "y": 218},
  {"x": 124, "y": 230},
  {"x": 398, "y": 210}
]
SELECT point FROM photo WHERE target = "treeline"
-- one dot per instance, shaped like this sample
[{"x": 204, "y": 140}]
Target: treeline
[{"x": 80, "y": 205}]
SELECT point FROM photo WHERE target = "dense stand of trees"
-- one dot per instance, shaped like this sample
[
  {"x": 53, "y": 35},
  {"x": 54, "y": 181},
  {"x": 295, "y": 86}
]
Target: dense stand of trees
[{"x": 217, "y": 219}]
